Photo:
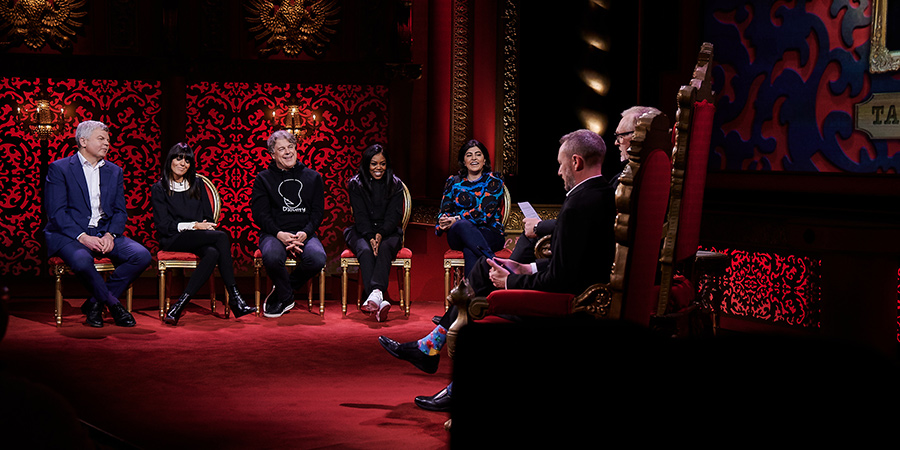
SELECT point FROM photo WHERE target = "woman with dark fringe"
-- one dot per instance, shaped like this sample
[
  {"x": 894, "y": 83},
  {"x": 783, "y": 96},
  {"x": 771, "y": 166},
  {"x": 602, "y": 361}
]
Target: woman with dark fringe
[{"x": 185, "y": 223}]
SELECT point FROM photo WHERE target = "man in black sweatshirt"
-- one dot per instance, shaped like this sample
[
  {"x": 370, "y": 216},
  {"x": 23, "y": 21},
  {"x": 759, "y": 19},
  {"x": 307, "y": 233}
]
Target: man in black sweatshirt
[{"x": 287, "y": 204}]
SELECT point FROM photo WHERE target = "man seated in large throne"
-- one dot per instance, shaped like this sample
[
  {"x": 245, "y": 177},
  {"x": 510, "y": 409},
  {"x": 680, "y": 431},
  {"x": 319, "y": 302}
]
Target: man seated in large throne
[{"x": 582, "y": 251}]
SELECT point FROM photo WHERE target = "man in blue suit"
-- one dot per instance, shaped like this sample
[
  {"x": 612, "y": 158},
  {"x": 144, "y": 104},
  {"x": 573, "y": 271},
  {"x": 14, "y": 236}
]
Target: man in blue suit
[{"x": 84, "y": 199}]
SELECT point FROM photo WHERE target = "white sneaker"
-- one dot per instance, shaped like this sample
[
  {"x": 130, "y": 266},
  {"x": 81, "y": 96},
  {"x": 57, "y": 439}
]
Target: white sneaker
[
  {"x": 382, "y": 313},
  {"x": 373, "y": 302}
]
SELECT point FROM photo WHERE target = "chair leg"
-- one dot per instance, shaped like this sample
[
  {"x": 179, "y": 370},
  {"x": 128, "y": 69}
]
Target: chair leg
[
  {"x": 212, "y": 292},
  {"x": 256, "y": 287},
  {"x": 162, "y": 293},
  {"x": 446, "y": 288},
  {"x": 322, "y": 292},
  {"x": 359, "y": 289},
  {"x": 129, "y": 294},
  {"x": 344, "y": 290},
  {"x": 406, "y": 290},
  {"x": 57, "y": 301}
]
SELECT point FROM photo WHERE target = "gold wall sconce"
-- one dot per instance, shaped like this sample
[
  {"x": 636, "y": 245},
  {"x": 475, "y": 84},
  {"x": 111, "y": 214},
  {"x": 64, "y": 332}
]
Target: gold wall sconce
[
  {"x": 42, "y": 118},
  {"x": 296, "y": 121}
]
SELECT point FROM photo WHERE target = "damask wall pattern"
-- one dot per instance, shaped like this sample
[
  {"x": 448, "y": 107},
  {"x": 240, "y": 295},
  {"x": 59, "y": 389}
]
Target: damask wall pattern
[
  {"x": 778, "y": 288},
  {"x": 228, "y": 124},
  {"x": 130, "y": 108}
]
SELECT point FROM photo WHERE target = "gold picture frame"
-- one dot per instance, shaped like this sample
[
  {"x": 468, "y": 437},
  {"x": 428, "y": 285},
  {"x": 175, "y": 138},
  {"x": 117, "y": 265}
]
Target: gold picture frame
[{"x": 881, "y": 58}]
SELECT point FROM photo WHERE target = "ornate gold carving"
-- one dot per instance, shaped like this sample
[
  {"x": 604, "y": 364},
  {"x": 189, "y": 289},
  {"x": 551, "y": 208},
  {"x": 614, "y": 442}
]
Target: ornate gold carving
[
  {"x": 508, "y": 156},
  {"x": 39, "y": 22},
  {"x": 595, "y": 300},
  {"x": 699, "y": 88},
  {"x": 882, "y": 59},
  {"x": 294, "y": 26},
  {"x": 461, "y": 77}
]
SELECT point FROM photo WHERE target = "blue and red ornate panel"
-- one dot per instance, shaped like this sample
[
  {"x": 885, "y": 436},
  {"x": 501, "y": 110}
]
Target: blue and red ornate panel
[
  {"x": 788, "y": 74},
  {"x": 130, "y": 108},
  {"x": 228, "y": 124}
]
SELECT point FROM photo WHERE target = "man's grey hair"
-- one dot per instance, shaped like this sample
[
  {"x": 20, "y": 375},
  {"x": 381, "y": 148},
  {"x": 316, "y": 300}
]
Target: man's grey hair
[
  {"x": 587, "y": 144},
  {"x": 280, "y": 134},
  {"x": 636, "y": 112},
  {"x": 86, "y": 128}
]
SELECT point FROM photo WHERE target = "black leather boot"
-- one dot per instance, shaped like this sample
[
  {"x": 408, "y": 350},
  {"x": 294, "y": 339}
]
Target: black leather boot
[
  {"x": 176, "y": 309},
  {"x": 237, "y": 304}
]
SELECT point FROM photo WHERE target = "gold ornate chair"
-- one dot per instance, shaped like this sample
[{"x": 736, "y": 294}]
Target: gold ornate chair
[
  {"x": 58, "y": 267},
  {"x": 403, "y": 260},
  {"x": 630, "y": 295},
  {"x": 679, "y": 254},
  {"x": 184, "y": 260},
  {"x": 641, "y": 201},
  {"x": 454, "y": 261}
]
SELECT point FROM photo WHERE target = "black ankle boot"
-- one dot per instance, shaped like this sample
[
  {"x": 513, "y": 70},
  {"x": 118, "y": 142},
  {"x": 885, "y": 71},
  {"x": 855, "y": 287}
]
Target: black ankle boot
[
  {"x": 237, "y": 304},
  {"x": 176, "y": 309}
]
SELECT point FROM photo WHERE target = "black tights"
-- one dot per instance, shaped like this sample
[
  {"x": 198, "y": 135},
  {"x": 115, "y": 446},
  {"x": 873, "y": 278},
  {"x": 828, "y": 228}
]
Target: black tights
[{"x": 214, "y": 248}]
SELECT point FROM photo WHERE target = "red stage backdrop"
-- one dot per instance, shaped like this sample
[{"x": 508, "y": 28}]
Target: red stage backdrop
[
  {"x": 228, "y": 124},
  {"x": 130, "y": 108},
  {"x": 788, "y": 75}
]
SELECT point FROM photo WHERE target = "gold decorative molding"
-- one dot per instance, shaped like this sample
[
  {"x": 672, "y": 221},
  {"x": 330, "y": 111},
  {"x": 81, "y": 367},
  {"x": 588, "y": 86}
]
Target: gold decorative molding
[
  {"x": 461, "y": 77},
  {"x": 39, "y": 22},
  {"x": 882, "y": 59},
  {"x": 293, "y": 27},
  {"x": 508, "y": 112}
]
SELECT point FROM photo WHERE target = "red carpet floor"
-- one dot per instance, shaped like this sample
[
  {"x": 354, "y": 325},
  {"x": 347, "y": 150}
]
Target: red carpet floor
[{"x": 297, "y": 382}]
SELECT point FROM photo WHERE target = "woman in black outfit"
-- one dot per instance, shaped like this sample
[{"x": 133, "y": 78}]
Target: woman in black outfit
[
  {"x": 185, "y": 223},
  {"x": 376, "y": 196}
]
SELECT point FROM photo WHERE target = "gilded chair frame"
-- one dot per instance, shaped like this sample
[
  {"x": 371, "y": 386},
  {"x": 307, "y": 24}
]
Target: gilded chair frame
[
  {"x": 164, "y": 264},
  {"x": 58, "y": 268},
  {"x": 404, "y": 263}
]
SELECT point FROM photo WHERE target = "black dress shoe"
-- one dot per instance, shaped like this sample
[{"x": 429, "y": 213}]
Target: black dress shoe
[
  {"x": 93, "y": 313},
  {"x": 176, "y": 309},
  {"x": 120, "y": 316},
  {"x": 237, "y": 304},
  {"x": 409, "y": 351},
  {"x": 438, "y": 402}
]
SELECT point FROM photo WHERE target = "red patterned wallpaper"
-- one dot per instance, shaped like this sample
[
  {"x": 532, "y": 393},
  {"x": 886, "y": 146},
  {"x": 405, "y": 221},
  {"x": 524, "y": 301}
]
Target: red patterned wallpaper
[
  {"x": 130, "y": 108},
  {"x": 228, "y": 124}
]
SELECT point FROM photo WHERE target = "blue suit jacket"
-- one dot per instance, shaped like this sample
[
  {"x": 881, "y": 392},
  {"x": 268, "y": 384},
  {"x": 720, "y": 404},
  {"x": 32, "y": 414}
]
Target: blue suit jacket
[{"x": 68, "y": 205}]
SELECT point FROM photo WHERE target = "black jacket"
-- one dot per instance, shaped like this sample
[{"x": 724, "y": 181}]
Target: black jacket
[
  {"x": 379, "y": 211},
  {"x": 170, "y": 210}
]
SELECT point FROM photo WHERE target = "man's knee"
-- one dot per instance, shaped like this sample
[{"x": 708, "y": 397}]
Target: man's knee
[{"x": 314, "y": 258}]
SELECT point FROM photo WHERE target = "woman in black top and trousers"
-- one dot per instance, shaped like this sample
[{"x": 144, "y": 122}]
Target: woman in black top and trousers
[
  {"x": 376, "y": 196},
  {"x": 185, "y": 223}
]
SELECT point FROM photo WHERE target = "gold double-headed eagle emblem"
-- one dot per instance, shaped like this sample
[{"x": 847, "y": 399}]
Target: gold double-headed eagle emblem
[
  {"x": 293, "y": 26},
  {"x": 39, "y": 22}
]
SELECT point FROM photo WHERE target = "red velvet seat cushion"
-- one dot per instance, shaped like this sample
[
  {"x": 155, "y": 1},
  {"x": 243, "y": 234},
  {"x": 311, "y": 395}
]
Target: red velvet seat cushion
[
  {"x": 404, "y": 253},
  {"x": 56, "y": 261},
  {"x": 176, "y": 256},
  {"x": 529, "y": 303},
  {"x": 456, "y": 254}
]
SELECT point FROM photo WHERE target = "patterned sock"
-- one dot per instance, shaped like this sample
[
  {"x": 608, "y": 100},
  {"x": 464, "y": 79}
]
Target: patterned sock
[{"x": 432, "y": 343}]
